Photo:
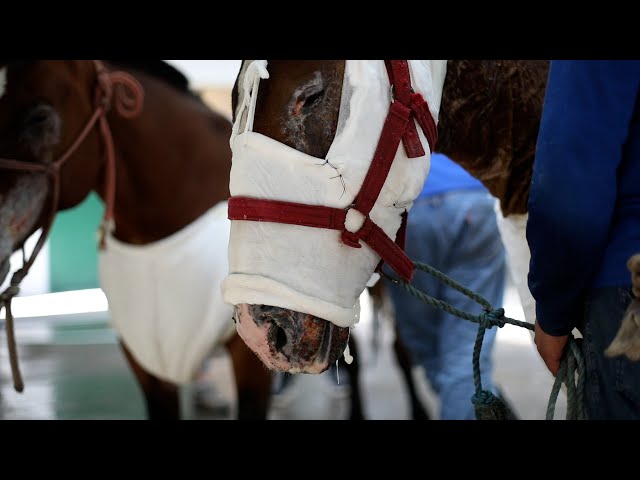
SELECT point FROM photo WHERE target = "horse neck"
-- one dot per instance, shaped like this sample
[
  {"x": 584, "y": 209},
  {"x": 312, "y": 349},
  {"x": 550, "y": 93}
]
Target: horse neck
[
  {"x": 488, "y": 123},
  {"x": 172, "y": 163}
]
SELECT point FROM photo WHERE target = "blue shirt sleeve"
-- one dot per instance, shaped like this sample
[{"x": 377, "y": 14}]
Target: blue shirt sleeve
[{"x": 585, "y": 122}]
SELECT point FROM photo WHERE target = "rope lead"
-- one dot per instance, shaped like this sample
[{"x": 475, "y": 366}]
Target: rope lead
[{"x": 487, "y": 405}]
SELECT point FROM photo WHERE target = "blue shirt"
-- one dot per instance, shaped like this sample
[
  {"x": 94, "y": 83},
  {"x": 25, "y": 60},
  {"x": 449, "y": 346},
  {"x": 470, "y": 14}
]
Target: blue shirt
[
  {"x": 445, "y": 175},
  {"x": 584, "y": 201}
]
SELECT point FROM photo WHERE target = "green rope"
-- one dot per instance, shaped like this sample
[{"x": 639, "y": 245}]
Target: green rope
[
  {"x": 572, "y": 374},
  {"x": 487, "y": 405}
]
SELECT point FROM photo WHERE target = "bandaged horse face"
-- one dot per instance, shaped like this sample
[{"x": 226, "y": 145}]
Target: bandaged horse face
[{"x": 305, "y": 133}]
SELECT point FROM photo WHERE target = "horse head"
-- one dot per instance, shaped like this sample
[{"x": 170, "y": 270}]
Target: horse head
[
  {"x": 305, "y": 136},
  {"x": 44, "y": 106}
]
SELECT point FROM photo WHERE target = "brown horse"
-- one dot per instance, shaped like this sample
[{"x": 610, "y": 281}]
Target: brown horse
[
  {"x": 488, "y": 119},
  {"x": 158, "y": 157}
]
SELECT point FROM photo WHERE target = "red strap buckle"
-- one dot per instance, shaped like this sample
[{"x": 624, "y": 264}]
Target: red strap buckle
[{"x": 351, "y": 239}]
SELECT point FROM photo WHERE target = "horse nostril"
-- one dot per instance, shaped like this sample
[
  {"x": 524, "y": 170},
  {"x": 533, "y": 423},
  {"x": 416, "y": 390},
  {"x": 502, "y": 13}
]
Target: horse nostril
[
  {"x": 41, "y": 129},
  {"x": 38, "y": 115},
  {"x": 281, "y": 338}
]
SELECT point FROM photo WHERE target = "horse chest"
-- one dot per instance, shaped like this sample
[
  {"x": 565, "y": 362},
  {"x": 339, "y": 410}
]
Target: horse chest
[{"x": 164, "y": 298}]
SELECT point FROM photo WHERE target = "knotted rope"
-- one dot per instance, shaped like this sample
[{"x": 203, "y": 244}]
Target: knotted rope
[{"x": 487, "y": 405}]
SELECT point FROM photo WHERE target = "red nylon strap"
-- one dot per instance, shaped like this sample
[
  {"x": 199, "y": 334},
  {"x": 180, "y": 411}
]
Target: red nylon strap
[
  {"x": 423, "y": 115},
  {"x": 388, "y": 143},
  {"x": 400, "y": 238},
  {"x": 255, "y": 209},
  {"x": 400, "y": 78}
]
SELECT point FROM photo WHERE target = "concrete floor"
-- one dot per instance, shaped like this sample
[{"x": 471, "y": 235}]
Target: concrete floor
[{"x": 73, "y": 369}]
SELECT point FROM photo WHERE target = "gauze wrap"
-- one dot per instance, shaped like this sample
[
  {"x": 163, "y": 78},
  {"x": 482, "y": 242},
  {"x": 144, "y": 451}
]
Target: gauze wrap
[
  {"x": 513, "y": 230},
  {"x": 308, "y": 269},
  {"x": 164, "y": 297}
]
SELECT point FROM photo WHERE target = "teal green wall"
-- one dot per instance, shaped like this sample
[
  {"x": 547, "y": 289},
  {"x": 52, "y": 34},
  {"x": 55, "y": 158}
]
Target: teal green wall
[{"x": 73, "y": 246}]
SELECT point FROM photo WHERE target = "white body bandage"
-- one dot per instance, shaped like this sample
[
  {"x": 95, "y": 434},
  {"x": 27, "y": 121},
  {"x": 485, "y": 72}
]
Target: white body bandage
[
  {"x": 308, "y": 269},
  {"x": 164, "y": 298},
  {"x": 513, "y": 230}
]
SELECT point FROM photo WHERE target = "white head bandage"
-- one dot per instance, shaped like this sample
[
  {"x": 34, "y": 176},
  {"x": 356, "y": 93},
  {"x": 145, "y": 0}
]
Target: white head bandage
[{"x": 308, "y": 269}]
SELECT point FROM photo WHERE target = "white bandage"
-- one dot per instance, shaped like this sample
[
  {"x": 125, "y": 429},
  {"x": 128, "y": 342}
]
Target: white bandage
[{"x": 308, "y": 269}]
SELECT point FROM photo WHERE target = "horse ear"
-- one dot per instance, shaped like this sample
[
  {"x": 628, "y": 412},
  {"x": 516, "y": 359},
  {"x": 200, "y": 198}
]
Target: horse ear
[
  {"x": 79, "y": 68},
  {"x": 72, "y": 65},
  {"x": 234, "y": 92}
]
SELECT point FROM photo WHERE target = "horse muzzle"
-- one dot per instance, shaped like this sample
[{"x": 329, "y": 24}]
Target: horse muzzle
[{"x": 290, "y": 341}]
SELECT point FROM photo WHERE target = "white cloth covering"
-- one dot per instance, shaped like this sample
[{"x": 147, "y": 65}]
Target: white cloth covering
[
  {"x": 513, "y": 230},
  {"x": 164, "y": 298},
  {"x": 308, "y": 269}
]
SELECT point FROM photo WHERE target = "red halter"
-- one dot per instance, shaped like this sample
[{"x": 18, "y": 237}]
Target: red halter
[{"x": 406, "y": 105}]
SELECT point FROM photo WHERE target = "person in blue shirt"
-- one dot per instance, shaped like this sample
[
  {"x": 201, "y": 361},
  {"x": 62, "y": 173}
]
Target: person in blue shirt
[
  {"x": 584, "y": 223},
  {"x": 451, "y": 227}
]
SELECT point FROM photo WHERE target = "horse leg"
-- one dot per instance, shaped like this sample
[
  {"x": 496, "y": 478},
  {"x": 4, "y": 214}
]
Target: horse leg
[
  {"x": 161, "y": 398},
  {"x": 253, "y": 381},
  {"x": 418, "y": 412},
  {"x": 353, "y": 369}
]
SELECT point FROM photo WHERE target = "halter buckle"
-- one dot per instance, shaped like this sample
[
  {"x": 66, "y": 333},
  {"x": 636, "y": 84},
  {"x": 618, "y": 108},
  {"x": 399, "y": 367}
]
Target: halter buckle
[{"x": 348, "y": 237}]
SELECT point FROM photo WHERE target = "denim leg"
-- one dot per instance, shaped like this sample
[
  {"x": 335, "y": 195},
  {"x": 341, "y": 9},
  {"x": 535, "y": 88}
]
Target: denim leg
[
  {"x": 613, "y": 384},
  {"x": 455, "y": 377},
  {"x": 417, "y": 323},
  {"x": 457, "y": 234},
  {"x": 477, "y": 261}
]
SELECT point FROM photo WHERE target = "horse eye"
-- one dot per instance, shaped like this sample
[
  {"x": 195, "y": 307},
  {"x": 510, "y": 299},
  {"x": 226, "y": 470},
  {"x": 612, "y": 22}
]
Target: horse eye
[
  {"x": 313, "y": 98},
  {"x": 307, "y": 98},
  {"x": 38, "y": 116}
]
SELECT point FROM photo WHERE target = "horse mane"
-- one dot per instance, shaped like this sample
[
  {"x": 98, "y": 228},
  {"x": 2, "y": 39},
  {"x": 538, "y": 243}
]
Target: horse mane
[
  {"x": 160, "y": 70},
  {"x": 489, "y": 120}
]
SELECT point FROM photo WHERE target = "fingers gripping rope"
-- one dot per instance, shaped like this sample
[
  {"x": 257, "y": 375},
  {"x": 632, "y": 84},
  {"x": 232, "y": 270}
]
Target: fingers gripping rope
[
  {"x": 572, "y": 374},
  {"x": 487, "y": 405}
]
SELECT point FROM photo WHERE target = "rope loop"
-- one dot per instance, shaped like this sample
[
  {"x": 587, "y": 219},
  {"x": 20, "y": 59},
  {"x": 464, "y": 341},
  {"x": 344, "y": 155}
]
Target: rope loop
[
  {"x": 488, "y": 406},
  {"x": 489, "y": 318}
]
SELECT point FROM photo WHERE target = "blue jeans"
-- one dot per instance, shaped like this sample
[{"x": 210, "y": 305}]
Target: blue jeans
[
  {"x": 456, "y": 233},
  {"x": 612, "y": 384}
]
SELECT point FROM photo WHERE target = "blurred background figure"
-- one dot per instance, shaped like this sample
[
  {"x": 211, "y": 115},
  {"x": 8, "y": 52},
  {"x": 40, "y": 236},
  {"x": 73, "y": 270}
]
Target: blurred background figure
[{"x": 451, "y": 227}]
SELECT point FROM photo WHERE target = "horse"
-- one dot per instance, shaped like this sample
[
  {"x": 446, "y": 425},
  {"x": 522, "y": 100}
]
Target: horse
[
  {"x": 292, "y": 120},
  {"x": 159, "y": 158}
]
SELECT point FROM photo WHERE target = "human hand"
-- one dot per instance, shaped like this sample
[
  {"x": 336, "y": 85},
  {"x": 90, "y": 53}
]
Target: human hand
[{"x": 550, "y": 348}]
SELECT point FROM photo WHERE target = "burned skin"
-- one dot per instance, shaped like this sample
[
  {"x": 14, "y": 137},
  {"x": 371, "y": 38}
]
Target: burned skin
[{"x": 290, "y": 341}]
